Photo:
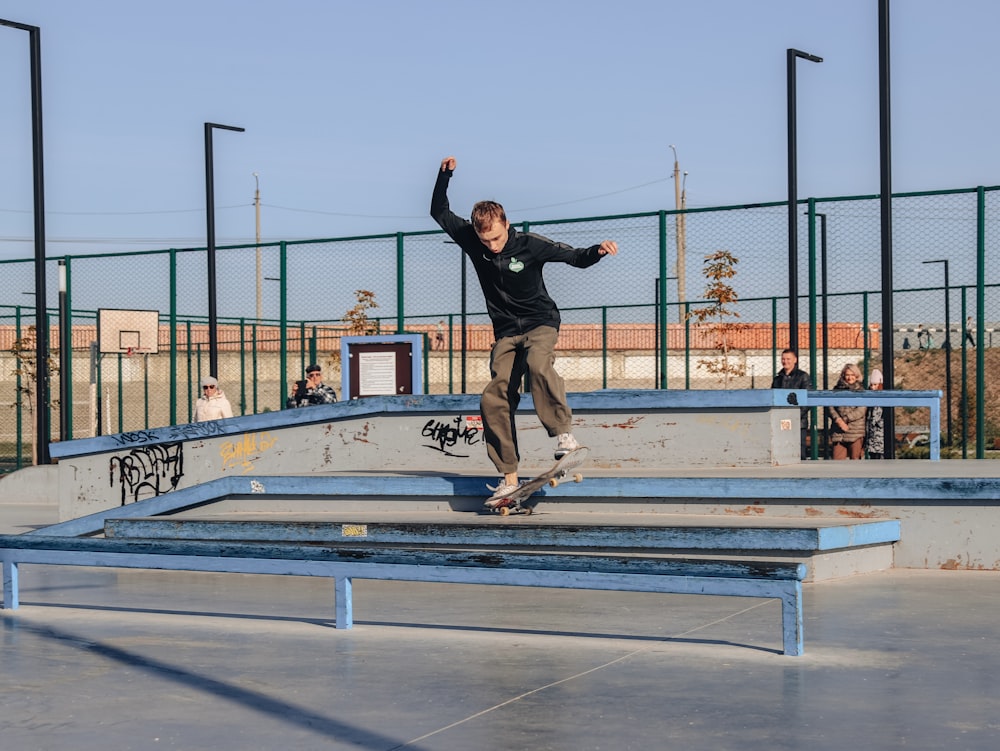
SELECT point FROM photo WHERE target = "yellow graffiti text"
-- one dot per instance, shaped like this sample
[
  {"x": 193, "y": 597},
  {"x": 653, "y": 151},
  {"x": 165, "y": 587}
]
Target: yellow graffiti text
[{"x": 241, "y": 452}]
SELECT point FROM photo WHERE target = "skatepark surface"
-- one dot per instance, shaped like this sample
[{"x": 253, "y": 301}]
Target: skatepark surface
[{"x": 123, "y": 659}]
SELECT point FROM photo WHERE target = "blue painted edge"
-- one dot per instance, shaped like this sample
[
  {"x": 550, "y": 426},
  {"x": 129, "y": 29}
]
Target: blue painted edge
[
  {"x": 854, "y": 535},
  {"x": 633, "y": 489}
]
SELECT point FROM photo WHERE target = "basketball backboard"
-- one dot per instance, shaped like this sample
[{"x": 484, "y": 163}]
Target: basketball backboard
[{"x": 128, "y": 332}]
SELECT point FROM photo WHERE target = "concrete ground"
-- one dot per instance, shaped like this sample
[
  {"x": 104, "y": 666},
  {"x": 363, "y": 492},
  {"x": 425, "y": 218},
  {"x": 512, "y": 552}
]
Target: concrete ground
[{"x": 105, "y": 659}]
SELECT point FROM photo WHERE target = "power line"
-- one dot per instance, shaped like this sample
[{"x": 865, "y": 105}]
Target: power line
[{"x": 322, "y": 212}]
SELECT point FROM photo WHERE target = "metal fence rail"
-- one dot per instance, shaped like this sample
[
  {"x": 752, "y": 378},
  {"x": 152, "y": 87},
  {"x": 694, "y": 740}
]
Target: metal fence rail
[{"x": 626, "y": 320}]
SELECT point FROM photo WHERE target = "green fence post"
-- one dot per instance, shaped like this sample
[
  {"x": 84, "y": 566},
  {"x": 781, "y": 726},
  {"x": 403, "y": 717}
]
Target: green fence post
[
  {"x": 253, "y": 335},
  {"x": 67, "y": 332},
  {"x": 965, "y": 379},
  {"x": 813, "y": 434},
  {"x": 173, "y": 336},
  {"x": 187, "y": 397},
  {"x": 243, "y": 366},
  {"x": 400, "y": 286},
  {"x": 604, "y": 346},
  {"x": 145, "y": 390},
  {"x": 687, "y": 345},
  {"x": 662, "y": 301},
  {"x": 451, "y": 351},
  {"x": 980, "y": 322},
  {"x": 774, "y": 335},
  {"x": 121, "y": 400},
  {"x": 283, "y": 321},
  {"x": 19, "y": 460}
]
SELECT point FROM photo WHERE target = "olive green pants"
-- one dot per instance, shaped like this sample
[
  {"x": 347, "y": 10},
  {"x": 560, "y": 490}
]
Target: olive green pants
[{"x": 513, "y": 356}]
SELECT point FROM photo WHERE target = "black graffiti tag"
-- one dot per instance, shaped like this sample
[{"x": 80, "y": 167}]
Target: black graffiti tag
[
  {"x": 138, "y": 436},
  {"x": 448, "y": 435},
  {"x": 196, "y": 430},
  {"x": 149, "y": 471}
]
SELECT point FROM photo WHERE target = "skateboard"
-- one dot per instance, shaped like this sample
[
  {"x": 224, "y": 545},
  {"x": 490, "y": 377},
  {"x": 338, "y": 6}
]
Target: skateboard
[{"x": 515, "y": 502}]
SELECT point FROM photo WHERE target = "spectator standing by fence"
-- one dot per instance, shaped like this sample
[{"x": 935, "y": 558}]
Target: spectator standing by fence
[
  {"x": 874, "y": 421},
  {"x": 847, "y": 431},
  {"x": 791, "y": 376},
  {"x": 212, "y": 404}
]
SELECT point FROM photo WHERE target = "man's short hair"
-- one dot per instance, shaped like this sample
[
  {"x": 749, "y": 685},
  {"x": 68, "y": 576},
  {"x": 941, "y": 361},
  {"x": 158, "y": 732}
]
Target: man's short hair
[
  {"x": 790, "y": 351},
  {"x": 485, "y": 213}
]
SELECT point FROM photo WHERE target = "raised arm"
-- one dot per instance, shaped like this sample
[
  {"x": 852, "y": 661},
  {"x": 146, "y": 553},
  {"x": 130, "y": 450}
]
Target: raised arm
[{"x": 440, "y": 209}]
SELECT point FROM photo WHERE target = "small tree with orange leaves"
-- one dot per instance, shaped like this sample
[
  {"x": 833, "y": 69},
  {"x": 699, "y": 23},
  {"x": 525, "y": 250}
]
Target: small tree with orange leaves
[{"x": 719, "y": 267}]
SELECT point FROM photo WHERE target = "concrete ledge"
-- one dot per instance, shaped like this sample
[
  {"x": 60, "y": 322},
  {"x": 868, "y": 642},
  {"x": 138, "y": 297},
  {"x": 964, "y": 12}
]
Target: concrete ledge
[
  {"x": 433, "y": 434},
  {"x": 612, "y": 400},
  {"x": 657, "y": 535},
  {"x": 31, "y": 485}
]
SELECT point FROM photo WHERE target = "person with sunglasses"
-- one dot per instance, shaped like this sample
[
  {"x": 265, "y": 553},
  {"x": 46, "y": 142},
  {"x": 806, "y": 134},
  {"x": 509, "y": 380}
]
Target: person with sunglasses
[
  {"x": 212, "y": 404},
  {"x": 311, "y": 391}
]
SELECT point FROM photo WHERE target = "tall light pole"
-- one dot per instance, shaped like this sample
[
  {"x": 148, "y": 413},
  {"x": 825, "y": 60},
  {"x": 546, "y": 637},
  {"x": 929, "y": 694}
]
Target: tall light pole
[
  {"x": 947, "y": 344},
  {"x": 41, "y": 316},
  {"x": 885, "y": 219},
  {"x": 793, "y": 199},
  {"x": 679, "y": 225},
  {"x": 260, "y": 288},
  {"x": 213, "y": 316}
]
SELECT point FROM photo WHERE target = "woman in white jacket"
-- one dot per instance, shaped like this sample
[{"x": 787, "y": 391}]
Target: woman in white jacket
[{"x": 212, "y": 404}]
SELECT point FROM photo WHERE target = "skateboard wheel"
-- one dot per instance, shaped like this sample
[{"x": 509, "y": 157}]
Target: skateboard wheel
[
  {"x": 504, "y": 510},
  {"x": 578, "y": 477},
  {"x": 527, "y": 510},
  {"x": 554, "y": 482}
]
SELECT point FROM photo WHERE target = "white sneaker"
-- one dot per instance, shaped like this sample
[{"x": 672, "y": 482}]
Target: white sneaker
[
  {"x": 503, "y": 489},
  {"x": 566, "y": 444}
]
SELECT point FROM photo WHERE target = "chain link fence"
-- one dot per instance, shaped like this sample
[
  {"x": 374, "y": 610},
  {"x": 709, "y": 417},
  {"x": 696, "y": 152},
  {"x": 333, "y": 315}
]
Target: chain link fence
[{"x": 627, "y": 321}]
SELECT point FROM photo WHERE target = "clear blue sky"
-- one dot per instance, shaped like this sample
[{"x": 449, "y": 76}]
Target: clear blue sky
[{"x": 556, "y": 108}]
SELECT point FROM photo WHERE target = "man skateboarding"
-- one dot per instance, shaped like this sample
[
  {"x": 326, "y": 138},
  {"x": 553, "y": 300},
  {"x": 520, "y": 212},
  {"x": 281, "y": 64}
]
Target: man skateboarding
[{"x": 525, "y": 321}]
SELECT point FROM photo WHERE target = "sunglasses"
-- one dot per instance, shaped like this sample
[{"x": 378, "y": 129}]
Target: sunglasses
[{"x": 208, "y": 388}]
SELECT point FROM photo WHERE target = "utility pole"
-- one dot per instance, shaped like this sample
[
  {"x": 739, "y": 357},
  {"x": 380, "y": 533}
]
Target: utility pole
[
  {"x": 679, "y": 226},
  {"x": 260, "y": 286}
]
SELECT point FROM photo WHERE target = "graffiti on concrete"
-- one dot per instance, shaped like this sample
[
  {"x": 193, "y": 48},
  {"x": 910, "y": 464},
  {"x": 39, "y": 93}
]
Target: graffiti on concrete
[
  {"x": 136, "y": 436},
  {"x": 147, "y": 471},
  {"x": 196, "y": 430},
  {"x": 448, "y": 437},
  {"x": 242, "y": 451}
]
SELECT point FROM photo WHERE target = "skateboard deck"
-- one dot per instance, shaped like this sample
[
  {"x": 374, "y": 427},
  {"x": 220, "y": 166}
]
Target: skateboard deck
[{"x": 515, "y": 502}]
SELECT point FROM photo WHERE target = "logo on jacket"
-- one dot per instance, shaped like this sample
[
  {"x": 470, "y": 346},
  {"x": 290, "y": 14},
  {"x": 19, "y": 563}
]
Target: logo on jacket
[{"x": 516, "y": 265}]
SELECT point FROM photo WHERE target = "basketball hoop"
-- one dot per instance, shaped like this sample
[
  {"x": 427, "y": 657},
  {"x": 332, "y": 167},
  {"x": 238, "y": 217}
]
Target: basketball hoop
[{"x": 128, "y": 352}]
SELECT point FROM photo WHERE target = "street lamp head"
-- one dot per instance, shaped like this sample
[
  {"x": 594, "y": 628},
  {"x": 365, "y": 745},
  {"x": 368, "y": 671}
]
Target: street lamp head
[{"x": 804, "y": 55}]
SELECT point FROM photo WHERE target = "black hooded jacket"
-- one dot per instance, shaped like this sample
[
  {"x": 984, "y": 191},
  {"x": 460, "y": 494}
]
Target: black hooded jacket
[{"x": 516, "y": 298}]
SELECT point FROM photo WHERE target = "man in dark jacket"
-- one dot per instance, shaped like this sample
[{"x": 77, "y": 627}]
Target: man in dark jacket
[
  {"x": 525, "y": 321},
  {"x": 792, "y": 377}
]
